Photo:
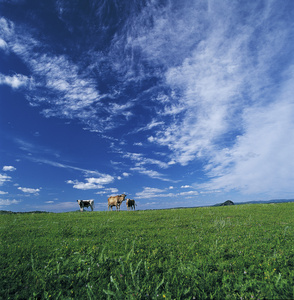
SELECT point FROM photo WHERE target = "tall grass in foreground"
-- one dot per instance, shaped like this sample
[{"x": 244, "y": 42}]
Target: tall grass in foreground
[{"x": 237, "y": 252}]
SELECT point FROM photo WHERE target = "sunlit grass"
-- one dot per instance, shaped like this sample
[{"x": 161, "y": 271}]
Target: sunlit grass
[{"x": 236, "y": 252}]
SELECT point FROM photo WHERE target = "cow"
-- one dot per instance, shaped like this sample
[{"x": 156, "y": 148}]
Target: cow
[
  {"x": 86, "y": 203},
  {"x": 116, "y": 201},
  {"x": 131, "y": 204}
]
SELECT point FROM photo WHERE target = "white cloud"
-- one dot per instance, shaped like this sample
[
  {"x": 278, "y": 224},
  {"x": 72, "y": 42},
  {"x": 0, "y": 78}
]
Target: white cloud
[
  {"x": 29, "y": 190},
  {"x": 185, "y": 186},
  {"x": 9, "y": 168},
  {"x": 112, "y": 191},
  {"x": 7, "y": 202},
  {"x": 150, "y": 126},
  {"x": 141, "y": 160},
  {"x": 149, "y": 192},
  {"x": 3, "y": 45},
  {"x": 16, "y": 81},
  {"x": 3, "y": 193},
  {"x": 4, "y": 178},
  {"x": 262, "y": 159},
  {"x": 92, "y": 183},
  {"x": 124, "y": 174},
  {"x": 150, "y": 173},
  {"x": 189, "y": 193}
]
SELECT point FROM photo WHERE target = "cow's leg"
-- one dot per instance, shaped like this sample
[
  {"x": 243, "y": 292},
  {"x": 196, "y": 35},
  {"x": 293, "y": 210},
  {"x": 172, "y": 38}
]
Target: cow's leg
[{"x": 91, "y": 207}]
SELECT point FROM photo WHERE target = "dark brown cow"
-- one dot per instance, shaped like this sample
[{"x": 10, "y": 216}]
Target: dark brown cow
[
  {"x": 131, "y": 204},
  {"x": 116, "y": 201}
]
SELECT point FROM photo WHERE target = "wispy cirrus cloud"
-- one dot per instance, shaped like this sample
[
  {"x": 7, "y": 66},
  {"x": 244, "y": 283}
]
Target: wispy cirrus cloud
[
  {"x": 224, "y": 90},
  {"x": 34, "y": 148},
  {"x": 74, "y": 94},
  {"x": 64, "y": 166}
]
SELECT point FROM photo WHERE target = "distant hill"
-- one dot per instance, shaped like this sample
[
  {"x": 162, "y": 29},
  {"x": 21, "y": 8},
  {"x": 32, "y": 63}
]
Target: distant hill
[
  {"x": 6, "y": 212},
  {"x": 259, "y": 202},
  {"x": 268, "y": 201}
]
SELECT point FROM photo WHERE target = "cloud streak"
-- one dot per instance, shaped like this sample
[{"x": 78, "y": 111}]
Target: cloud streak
[
  {"x": 29, "y": 190},
  {"x": 4, "y": 178},
  {"x": 8, "y": 202},
  {"x": 149, "y": 192}
]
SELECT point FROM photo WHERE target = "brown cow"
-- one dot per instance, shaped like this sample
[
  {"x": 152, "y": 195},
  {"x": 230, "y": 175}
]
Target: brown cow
[
  {"x": 131, "y": 204},
  {"x": 116, "y": 201}
]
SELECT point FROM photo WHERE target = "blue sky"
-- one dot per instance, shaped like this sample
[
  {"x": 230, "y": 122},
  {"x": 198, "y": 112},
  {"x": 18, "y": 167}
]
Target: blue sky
[{"x": 175, "y": 103}]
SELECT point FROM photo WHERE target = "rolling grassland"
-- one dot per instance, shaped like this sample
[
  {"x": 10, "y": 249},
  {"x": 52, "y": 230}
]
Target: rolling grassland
[{"x": 233, "y": 252}]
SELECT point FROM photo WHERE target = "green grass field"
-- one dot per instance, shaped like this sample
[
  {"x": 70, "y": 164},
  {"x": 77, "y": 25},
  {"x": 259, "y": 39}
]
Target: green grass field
[{"x": 232, "y": 252}]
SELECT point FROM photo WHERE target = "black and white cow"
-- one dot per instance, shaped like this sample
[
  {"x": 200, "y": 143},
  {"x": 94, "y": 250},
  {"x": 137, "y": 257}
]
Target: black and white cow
[{"x": 86, "y": 203}]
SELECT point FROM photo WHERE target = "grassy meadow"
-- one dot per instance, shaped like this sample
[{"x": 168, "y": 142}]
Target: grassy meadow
[{"x": 231, "y": 252}]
